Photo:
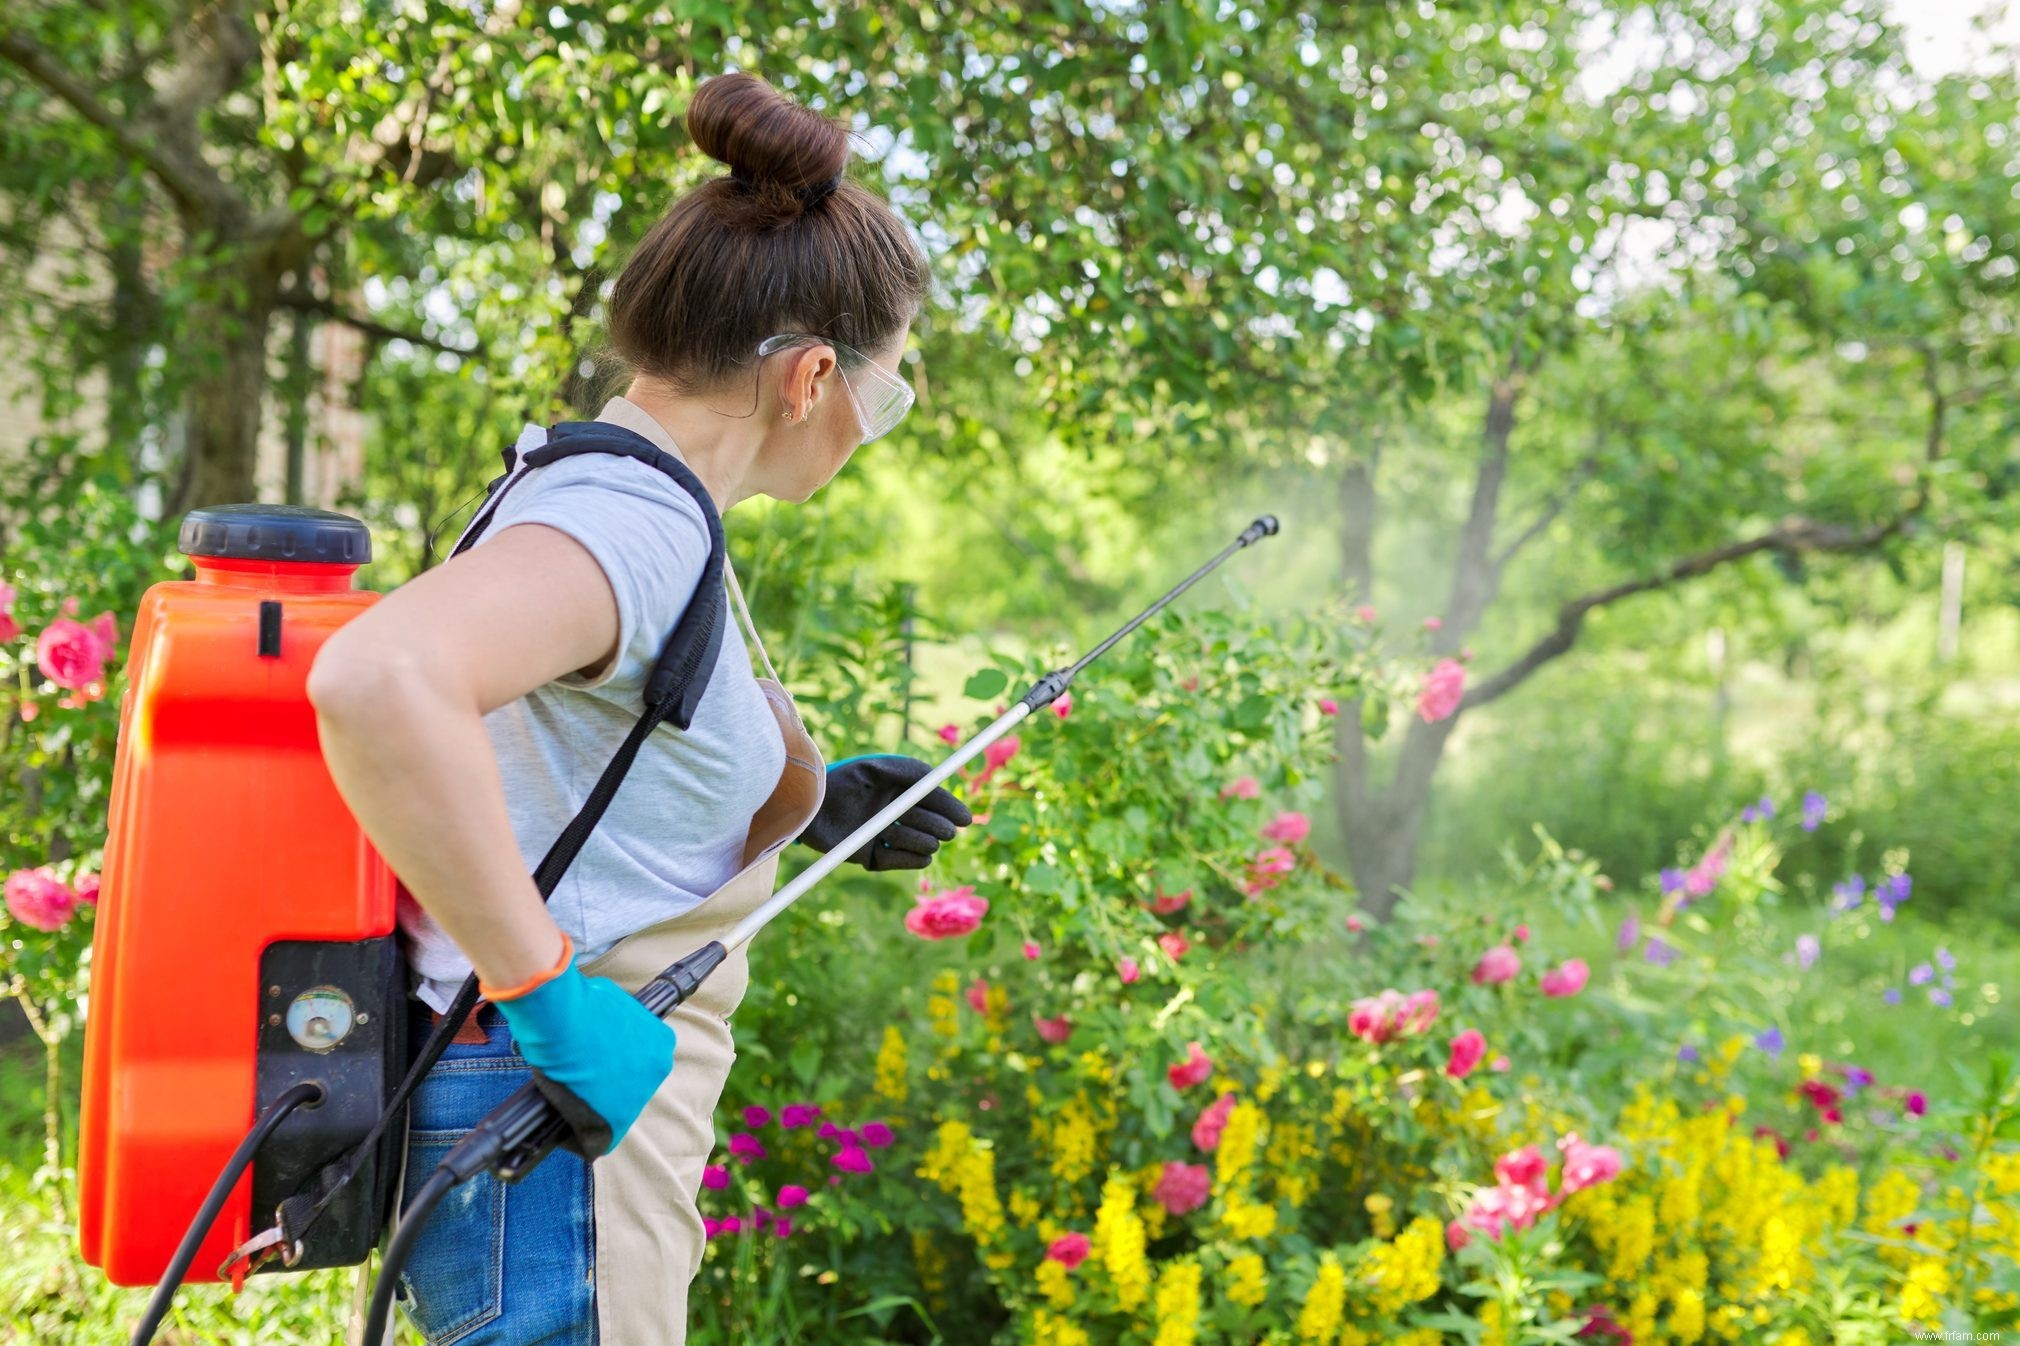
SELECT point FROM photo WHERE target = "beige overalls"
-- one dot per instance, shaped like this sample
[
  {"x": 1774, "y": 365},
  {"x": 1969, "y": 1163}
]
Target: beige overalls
[{"x": 649, "y": 1237}]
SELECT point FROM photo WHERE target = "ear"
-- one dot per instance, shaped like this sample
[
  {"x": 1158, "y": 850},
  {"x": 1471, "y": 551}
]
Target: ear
[{"x": 806, "y": 377}]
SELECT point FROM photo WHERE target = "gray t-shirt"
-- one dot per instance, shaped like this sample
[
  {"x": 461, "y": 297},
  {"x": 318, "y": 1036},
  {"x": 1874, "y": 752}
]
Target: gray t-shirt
[{"x": 675, "y": 831}]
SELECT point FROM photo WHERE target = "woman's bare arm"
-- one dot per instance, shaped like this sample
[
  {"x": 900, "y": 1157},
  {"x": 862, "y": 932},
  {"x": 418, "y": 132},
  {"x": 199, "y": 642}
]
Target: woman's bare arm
[{"x": 400, "y": 692}]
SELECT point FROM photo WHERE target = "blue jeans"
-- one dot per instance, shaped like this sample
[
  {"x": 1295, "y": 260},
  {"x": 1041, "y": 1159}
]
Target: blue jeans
[{"x": 497, "y": 1264}]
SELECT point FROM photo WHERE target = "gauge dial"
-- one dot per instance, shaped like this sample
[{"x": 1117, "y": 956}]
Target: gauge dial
[{"x": 320, "y": 1018}]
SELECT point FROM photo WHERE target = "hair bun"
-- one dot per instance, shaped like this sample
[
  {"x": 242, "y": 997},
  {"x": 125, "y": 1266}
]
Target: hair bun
[{"x": 765, "y": 138}]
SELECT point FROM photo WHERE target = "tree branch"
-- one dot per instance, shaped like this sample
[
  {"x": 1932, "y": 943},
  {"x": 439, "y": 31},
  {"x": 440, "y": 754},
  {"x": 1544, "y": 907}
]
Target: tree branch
[
  {"x": 1579, "y": 476},
  {"x": 372, "y": 327},
  {"x": 194, "y": 186}
]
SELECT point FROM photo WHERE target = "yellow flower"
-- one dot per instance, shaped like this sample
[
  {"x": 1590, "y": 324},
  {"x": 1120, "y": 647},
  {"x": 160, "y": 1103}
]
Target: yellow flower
[
  {"x": 965, "y": 1167},
  {"x": 1049, "y": 1329},
  {"x": 1055, "y": 1282},
  {"x": 1686, "y": 1317},
  {"x": 1319, "y": 1319},
  {"x": 1922, "y": 1292},
  {"x": 1247, "y": 1281},
  {"x": 1240, "y": 1140},
  {"x": 1379, "y": 1207},
  {"x": 890, "y": 1068},
  {"x": 1178, "y": 1304},
  {"x": 1119, "y": 1242},
  {"x": 1406, "y": 1271},
  {"x": 1074, "y": 1139},
  {"x": 1247, "y": 1219}
]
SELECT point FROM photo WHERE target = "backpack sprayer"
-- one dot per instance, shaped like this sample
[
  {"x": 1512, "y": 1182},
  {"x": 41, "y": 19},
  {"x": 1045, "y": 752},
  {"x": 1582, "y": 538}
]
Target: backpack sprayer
[{"x": 171, "y": 1068}]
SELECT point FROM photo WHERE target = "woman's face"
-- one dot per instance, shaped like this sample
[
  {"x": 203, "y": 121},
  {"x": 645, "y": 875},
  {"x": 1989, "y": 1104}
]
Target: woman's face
[{"x": 817, "y": 426}]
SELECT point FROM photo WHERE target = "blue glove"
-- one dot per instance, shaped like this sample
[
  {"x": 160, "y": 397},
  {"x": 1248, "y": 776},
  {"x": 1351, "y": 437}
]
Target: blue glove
[{"x": 597, "y": 1054}]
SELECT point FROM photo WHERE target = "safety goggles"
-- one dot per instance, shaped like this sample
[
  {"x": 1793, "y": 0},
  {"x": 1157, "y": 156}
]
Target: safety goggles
[{"x": 881, "y": 398}]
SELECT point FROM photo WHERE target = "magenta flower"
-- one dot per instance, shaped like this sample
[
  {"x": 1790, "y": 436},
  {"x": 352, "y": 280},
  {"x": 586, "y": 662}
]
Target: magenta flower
[
  {"x": 1918, "y": 1103},
  {"x": 1443, "y": 687},
  {"x": 1212, "y": 1121},
  {"x": 1128, "y": 969},
  {"x": 1242, "y": 787},
  {"x": 1288, "y": 827},
  {"x": 746, "y": 1148},
  {"x": 715, "y": 1177},
  {"x": 791, "y": 1195},
  {"x": 1193, "y": 1070},
  {"x": 1497, "y": 965},
  {"x": 756, "y": 1115},
  {"x": 36, "y": 897},
  {"x": 9, "y": 628},
  {"x": 1068, "y": 1250},
  {"x": 795, "y": 1115},
  {"x": 729, "y": 1224},
  {"x": 782, "y": 1225},
  {"x": 950, "y": 733},
  {"x": 1054, "y": 1031},
  {"x": 952, "y": 914},
  {"x": 1587, "y": 1165},
  {"x": 876, "y": 1135},
  {"x": 1567, "y": 978},
  {"x": 1031, "y": 949},
  {"x": 853, "y": 1160},
  {"x": 1183, "y": 1187},
  {"x": 1467, "y": 1049}
]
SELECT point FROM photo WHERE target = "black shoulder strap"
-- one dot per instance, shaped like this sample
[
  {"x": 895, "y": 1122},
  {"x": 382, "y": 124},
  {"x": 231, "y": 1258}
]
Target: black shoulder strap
[{"x": 673, "y": 691}]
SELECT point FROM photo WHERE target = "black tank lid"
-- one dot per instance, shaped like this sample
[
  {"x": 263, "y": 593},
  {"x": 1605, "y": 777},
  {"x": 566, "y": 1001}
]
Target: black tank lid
[{"x": 275, "y": 533}]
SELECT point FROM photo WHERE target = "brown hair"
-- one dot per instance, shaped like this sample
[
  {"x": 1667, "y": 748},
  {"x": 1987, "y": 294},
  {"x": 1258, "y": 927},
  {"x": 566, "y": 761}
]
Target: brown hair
[{"x": 782, "y": 243}]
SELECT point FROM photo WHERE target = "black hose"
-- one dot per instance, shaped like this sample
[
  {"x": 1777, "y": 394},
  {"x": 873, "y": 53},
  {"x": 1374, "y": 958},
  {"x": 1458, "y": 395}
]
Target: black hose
[
  {"x": 306, "y": 1093},
  {"x": 402, "y": 1244}
]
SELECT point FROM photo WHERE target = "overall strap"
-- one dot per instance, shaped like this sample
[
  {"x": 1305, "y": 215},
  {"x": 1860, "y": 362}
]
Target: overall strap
[
  {"x": 749, "y": 626},
  {"x": 673, "y": 692}
]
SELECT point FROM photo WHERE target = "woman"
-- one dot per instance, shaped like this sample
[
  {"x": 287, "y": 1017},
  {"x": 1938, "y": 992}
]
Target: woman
[{"x": 466, "y": 715}]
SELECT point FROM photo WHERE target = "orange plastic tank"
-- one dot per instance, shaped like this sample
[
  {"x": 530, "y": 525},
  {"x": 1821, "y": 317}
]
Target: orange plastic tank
[{"x": 244, "y": 931}]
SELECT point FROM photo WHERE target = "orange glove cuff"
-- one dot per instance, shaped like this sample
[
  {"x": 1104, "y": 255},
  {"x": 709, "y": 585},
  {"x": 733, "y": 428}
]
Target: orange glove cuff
[{"x": 537, "y": 980}]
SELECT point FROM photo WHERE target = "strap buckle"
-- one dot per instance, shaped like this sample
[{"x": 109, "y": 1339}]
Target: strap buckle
[{"x": 267, "y": 1244}]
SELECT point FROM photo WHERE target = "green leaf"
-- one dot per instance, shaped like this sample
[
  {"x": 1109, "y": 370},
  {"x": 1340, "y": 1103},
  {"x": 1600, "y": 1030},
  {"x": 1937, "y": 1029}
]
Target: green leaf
[{"x": 989, "y": 682}]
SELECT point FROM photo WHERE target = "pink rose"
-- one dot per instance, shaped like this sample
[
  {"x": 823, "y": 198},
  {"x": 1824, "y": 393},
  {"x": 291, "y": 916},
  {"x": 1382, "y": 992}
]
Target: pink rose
[
  {"x": 1467, "y": 1049},
  {"x": 950, "y": 733},
  {"x": 1364, "y": 613},
  {"x": 1068, "y": 1250},
  {"x": 1434, "y": 623},
  {"x": 1212, "y": 1121},
  {"x": 1289, "y": 828},
  {"x": 1164, "y": 904},
  {"x": 36, "y": 897},
  {"x": 1054, "y": 1031},
  {"x": 1587, "y": 1165},
  {"x": 1128, "y": 970},
  {"x": 1273, "y": 860},
  {"x": 70, "y": 653},
  {"x": 1355, "y": 925},
  {"x": 1456, "y": 1236},
  {"x": 952, "y": 914},
  {"x": 1525, "y": 1167},
  {"x": 1521, "y": 934},
  {"x": 978, "y": 996},
  {"x": 87, "y": 891},
  {"x": 1497, "y": 965},
  {"x": 1443, "y": 687},
  {"x": 1420, "y": 1010},
  {"x": 1174, "y": 944},
  {"x": 1328, "y": 706},
  {"x": 1063, "y": 707},
  {"x": 995, "y": 755},
  {"x": 1193, "y": 1070},
  {"x": 1566, "y": 979},
  {"x": 1030, "y": 949},
  {"x": 1183, "y": 1187},
  {"x": 1241, "y": 787}
]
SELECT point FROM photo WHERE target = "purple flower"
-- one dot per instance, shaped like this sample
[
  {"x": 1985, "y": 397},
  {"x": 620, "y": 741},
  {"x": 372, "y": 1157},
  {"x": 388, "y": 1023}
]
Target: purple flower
[
  {"x": 1849, "y": 893},
  {"x": 1939, "y": 996},
  {"x": 1921, "y": 974},
  {"x": 853, "y": 1160},
  {"x": 1808, "y": 950},
  {"x": 1815, "y": 806},
  {"x": 1758, "y": 812},
  {"x": 745, "y": 1147},
  {"x": 799, "y": 1114},
  {"x": 1659, "y": 951},
  {"x": 1945, "y": 959},
  {"x": 1891, "y": 893},
  {"x": 828, "y": 1131},
  {"x": 1892, "y": 995},
  {"x": 876, "y": 1135},
  {"x": 1630, "y": 931},
  {"x": 1671, "y": 880},
  {"x": 1686, "y": 1053},
  {"x": 756, "y": 1115},
  {"x": 1771, "y": 1041},
  {"x": 1856, "y": 1078}
]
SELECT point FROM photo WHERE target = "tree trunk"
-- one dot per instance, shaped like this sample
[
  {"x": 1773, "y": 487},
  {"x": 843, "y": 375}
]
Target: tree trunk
[{"x": 224, "y": 409}]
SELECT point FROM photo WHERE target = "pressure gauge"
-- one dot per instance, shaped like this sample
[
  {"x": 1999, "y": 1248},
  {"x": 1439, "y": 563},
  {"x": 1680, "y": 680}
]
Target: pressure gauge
[{"x": 320, "y": 1018}]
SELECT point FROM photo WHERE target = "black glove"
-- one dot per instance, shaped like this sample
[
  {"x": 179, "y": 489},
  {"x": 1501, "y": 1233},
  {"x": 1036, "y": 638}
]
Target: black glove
[{"x": 859, "y": 786}]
